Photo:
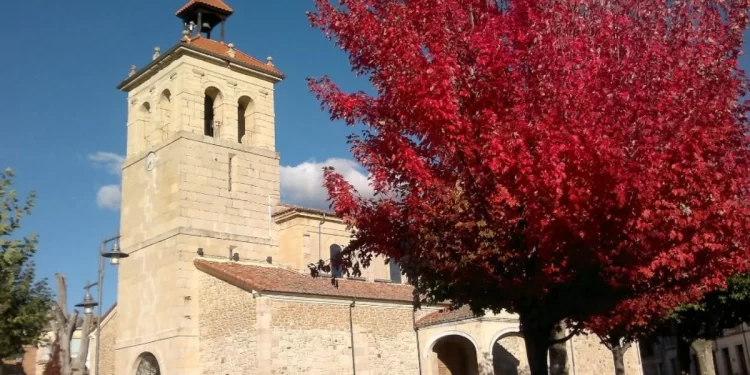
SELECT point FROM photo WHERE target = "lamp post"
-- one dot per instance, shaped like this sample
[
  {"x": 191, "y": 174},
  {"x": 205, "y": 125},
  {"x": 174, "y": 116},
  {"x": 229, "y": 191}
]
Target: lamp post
[
  {"x": 114, "y": 256},
  {"x": 88, "y": 302}
]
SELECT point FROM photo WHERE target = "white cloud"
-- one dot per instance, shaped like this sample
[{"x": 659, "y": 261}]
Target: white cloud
[
  {"x": 108, "y": 197},
  {"x": 303, "y": 183},
  {"x": 111, "y": 161}
]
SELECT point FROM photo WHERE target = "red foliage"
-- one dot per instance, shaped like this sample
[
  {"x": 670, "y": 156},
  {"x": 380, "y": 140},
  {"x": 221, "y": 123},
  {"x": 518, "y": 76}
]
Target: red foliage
[
  {"x": 556, "y": 159},
  {"x": 53, "y": 366}
]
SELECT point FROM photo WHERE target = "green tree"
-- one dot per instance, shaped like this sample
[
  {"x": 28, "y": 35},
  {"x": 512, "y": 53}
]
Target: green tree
[
  {"x": 696, "y": 325},
  {"x": 24, "y": 303}
]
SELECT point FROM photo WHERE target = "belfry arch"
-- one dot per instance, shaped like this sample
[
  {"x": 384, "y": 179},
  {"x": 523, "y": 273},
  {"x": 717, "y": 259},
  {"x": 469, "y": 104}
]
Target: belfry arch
[{"x": 245, "y": 120}]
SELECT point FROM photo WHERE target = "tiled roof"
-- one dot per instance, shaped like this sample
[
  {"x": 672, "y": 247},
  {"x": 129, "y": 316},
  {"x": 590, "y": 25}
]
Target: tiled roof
[
  {"x": 216, "y": 4},
  {"x": 445, "y": 315},
  {"x": 220, "y": 48},
  {"x": 283, "y": 208},
  {"x": 280, "y": 280}
]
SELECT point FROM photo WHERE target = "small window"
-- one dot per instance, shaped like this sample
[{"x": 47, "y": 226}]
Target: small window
[
  {"x": 395, "y": 271},
  {"x": 244, "y": 119},
  {"x": 208, "y": 118},
  {"x": 335, "y": 253},
  {"x": 211, "y": 102}
]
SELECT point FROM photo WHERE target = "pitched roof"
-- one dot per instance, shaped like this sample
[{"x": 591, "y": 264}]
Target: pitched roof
[
  {"x": 216, "y": 4},
  {"x": 220, "y": 48},
  {"x": 280, "y": 280},
  {"x": 445, "y": 315}
]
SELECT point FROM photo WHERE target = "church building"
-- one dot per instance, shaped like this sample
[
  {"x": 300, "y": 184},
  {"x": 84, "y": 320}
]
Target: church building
[{"x": 216, "y": 281}]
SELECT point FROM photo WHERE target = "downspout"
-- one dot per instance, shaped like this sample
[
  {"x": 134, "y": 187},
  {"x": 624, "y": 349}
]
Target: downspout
[
  {"x": 416, "y": 332},
  {"x": 744, "y": 338},
  {"x": 573, "y": 356},
  {"x": 320, "y": 237},
  {"x": 351, "y": 331}
]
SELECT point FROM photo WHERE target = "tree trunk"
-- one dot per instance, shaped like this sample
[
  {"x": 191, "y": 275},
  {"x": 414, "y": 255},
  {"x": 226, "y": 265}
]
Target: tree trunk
[
  {"x": 558, "y": 352},
  {"x": 536, "y": 352},
  {"x": 618, "y": 356},
  {"x": 683, "y": 356},
  {"x": 704, "y": 352},
  {"x": 536, "y": 338}
]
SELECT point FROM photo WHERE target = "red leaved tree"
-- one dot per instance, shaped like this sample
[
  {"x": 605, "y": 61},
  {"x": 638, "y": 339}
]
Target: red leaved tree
[
  {"x": 554, "y": 159},
  {"x": 53, "y": 367}
]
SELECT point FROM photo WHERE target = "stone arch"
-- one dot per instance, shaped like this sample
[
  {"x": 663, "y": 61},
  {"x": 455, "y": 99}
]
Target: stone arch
[
  {"x": 245, "y": 120},
  {"x": 439, "y": 336},
  {"x": 165, "y": 113},
  {"x": 504, "y": 332},
  {"x": 508, "y": 353},
  {"x": 147, "y": 364},
  {"x": 213, "y": 115},
  {"x": 453, "y": 353}
]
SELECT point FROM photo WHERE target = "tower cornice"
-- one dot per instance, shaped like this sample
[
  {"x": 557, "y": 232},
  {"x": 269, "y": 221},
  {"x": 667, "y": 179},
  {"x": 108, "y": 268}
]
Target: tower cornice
[{"x": 203, "y": 47}]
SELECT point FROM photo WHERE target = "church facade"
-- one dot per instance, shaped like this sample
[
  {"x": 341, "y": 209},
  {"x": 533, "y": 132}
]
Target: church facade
[{"x": 216, "y": 281}]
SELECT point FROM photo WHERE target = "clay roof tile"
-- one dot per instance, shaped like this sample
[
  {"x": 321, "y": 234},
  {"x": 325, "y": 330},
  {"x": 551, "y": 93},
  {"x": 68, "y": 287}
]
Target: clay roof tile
[
  {"x": 445, "y": 315},
  {"x": 216, "y": 4},
  {"x": 280, "y": 280},
  {"x": 222, "y": 49}
]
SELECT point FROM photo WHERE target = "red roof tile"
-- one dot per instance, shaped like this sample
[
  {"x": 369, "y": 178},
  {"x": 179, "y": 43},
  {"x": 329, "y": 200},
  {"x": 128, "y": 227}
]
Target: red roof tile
[
  {"x": 216, "y": 4},
  {"x": 446, "y": 315},
  {"x": 280, "y": 280},
  {"x": 222, "y": 49}
]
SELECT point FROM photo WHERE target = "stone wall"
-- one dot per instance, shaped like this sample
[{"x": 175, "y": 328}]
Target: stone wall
[
  {"x": 107, "y": 346},
  {"x": 315, "y": 338},
  {"x": 593, "y": 358},
  {"x": 227, "y": 328}
]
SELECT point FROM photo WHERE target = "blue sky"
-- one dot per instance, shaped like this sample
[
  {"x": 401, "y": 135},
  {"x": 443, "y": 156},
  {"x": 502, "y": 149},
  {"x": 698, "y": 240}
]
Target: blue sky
[{"x": 64, "y": 122}]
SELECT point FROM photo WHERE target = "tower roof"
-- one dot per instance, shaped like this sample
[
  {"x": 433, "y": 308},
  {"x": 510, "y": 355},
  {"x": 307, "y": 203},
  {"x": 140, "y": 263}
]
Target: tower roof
[
  {"x": 215, "y": 4},
  {"x": 214, "y": 48},
  {"x": 223, "y": 50}
]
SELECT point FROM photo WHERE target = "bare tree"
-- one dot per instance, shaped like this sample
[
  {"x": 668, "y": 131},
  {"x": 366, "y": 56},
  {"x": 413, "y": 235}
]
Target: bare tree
[{"x": 64, "y": 325}]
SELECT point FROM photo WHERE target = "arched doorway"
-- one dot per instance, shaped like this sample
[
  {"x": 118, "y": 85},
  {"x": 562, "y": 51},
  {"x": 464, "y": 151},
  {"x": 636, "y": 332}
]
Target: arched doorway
[
  {"x": 509, "y": 356},
  {"x": 147, "y": 365},
  {"x": 454, "y": 355}
]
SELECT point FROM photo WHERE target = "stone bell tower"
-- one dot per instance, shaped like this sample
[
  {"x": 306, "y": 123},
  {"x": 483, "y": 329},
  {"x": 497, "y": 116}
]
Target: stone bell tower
[{"x": 201, "y": 176}]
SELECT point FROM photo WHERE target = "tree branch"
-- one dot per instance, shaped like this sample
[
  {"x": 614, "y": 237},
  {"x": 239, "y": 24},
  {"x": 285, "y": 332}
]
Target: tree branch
[
  {"x": 79, "y": 363},
  {"x": 626, "y": 346},
  {"x": 62, "y": 294},
  {"x": 572, "y": 333}
]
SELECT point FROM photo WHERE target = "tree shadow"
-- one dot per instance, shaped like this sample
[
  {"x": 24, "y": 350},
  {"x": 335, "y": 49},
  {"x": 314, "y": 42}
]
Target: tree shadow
[{"x": 503, "y": 361}]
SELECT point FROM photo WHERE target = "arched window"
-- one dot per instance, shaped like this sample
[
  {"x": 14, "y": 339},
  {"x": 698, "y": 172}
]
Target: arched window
[
  {"x": 395, "y": 271},
  {"x": 335, "y": 252},
  {"x": 211, "y": 118},
  {"x": 147, "y": 365},
  {"x": 245, "y": 125},
  {"x": 165, "y": 112}
]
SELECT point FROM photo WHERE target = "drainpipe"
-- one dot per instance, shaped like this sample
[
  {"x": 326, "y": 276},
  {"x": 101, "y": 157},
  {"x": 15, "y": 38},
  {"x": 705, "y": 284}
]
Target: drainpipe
[
  {"x": 351, "y": 331},
  {"x": 416, "y": 332},
  {"x": 573, "y": 355},
  {"x": 744, "y": 338},
  {"x": 320, "y": 237}
]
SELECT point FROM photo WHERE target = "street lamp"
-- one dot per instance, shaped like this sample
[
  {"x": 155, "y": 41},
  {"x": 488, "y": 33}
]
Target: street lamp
[
  {"x": 114, "y": 255},
  {"x": 88, "y": 302}
]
